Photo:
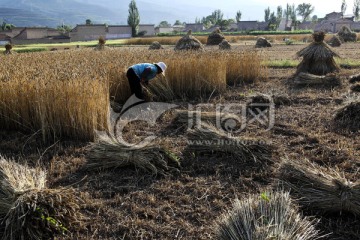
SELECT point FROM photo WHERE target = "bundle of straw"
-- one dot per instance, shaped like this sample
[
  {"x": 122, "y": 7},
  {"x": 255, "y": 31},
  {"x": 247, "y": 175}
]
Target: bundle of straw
[
  {"x": 268, "y": 216},
  {"x": 108, "y": 153},
  {"x": 306, "y": 79},
  {"x": 29, "y": 210},
  {"x": 209, "y": 141},
  {"x": 188, "y": 42},
  {"x": 43, "y": 214},
  {"x": 319, "y": 188},
  {"x": 348, "y": 117},
  {"x": 318, "y": 57}
]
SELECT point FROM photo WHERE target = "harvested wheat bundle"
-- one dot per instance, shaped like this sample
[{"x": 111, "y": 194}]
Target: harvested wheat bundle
[
  {"x": 319, "y": 188},
  {"x": 8, "y": 48},
  {"x": 267, "y": 216},
  {"x": 188, "y": 42},
  {"x": 108, "y": 153},
  {"x": 224, "y": 45},
  {"x": 318, "y": 57},
  {"x": 334, "y": 41},
  {"x": 15, "y": 180},
  {"x": 209, "y": 141},
  {"x": 348, "y": 117},
  {"x": 355, "y": 88},
  {"x": 347, "y": 35},
  {"x": 262, "y": 43},
  {"x": 155, "y": 46},
  {"x": 306, "y": 79},
  {"x": 43, "y": 214},
  {"x": 215, "y": 38},
  {"x": 29, "y": 210}
]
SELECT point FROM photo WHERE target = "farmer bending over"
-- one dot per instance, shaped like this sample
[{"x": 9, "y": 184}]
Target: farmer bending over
[{"x": 142, "y": 73}]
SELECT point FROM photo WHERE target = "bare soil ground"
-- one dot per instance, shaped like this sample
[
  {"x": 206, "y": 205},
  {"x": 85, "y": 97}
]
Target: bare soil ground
[{"x": 130, "y": 204}]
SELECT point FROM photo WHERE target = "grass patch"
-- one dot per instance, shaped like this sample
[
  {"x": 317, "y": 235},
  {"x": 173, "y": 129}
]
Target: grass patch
[{"x": 282, "y": 63}]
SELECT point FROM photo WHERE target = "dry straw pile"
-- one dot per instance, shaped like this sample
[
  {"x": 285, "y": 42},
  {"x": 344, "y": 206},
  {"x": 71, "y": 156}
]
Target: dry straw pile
[
  {"x": 347, "y": 35},
  {"x": 189, "y": 42},
  {"x": 224, "y": 45},
  {"x": 335, "y": 41},
  {"x": 29, "y": 210},
  {"x": 211, "y": 142},
  {"x": 215, "y": 38},
  {"x": 262, "y": 43},
  {"x": 267, "y": 216},
  {"x": 101, "y": 45},
  {"x": 8, "y": 48},
  {"x": 319, "y": 188},
  {"x": 155, "y": 46},
  {"x": 108, "y": 153},
  {"x": 348, "y": 118}
]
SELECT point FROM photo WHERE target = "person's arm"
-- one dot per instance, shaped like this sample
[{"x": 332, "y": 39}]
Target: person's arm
[{"x": 144, "y": 74}]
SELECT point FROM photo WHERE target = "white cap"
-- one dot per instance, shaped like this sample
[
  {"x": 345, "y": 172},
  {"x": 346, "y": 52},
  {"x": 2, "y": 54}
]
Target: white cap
[{"x": 162, "y": 66}]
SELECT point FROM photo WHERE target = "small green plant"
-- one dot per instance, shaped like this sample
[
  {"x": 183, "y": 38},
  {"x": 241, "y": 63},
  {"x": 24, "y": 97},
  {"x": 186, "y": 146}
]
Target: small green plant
[
  {"x": 52, "y": 221},
  {"x": 289, "y": 42},
  {"x": 264, "y": 196}
]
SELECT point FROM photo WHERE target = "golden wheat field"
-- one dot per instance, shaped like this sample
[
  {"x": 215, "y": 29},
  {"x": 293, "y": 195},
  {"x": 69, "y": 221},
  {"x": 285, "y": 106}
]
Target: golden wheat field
[{"x": 60, "y": 180}]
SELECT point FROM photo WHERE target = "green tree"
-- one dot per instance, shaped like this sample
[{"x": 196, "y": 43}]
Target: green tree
[
  {"x": 216, "y": 16},
  {"x": 343, "y": 7},
  {"x": 267, "y": 14},
  {"x": 88, "y": 22},
  {"x": 305, "y": 10},
  {"x": 356, "y": 9},
  {"x": 223, "y": 24},
  {"x": 64, "y": 28},
  {"x": 7, "y": 26},
  {"x": 279, "y": 14},
  {"x": 164, "y": 24},
  {"x": 177, "y": 22},
  {"x": 238, "y": 16},
  {"x": 314, "y": 18},
  {"x": 287, "y": 12},
  {"x": 272, "y": 22},
  {"x": 133, "y": 18}
]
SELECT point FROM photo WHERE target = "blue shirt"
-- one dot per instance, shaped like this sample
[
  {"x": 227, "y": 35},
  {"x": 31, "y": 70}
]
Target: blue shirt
[{"x": 151, "y": 70}]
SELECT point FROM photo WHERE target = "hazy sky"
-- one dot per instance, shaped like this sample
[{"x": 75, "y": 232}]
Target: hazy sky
[{"x": 254, "y": 9}]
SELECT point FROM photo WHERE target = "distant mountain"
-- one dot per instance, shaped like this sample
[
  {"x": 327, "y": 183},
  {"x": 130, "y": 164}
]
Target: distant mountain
[{"x": 53, "y": 12}]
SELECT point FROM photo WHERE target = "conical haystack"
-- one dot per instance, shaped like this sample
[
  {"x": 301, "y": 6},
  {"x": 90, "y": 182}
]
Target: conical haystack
[
  {"x": 347, "y": 35},
  {"x": 318, "y": 57},
  {"x": 101, "y": 45},
  {"x": 334, "y": 41},
  {"x": 224, "y": 45},
  {"x": 188, "y": 42},
  {"x": 155, "y": 46},
  {"x": 262, "y": 43},
  {"x": 215, "y": 38}
]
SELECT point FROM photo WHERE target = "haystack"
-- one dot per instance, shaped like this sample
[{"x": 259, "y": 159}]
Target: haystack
[
  {"x": 347, "y": 35},
  {"x": 348, "y": 118},
  {"x": 262, "y": 43},
  {"x": 271, "y": 215},
  {"x": 320, "y": 188},
  {"x": 108, "y": 153},
  {"x": 209, "y": 141},
  {"x": 318, "y": 57},
  {"x": 188, "y": 42},
  {"x": 101, "y": 45},
  {"x": 30, "y": 211},
  {"x": 155, "y": 46},
  {"x": 224, "y": 45},
  {"x": 215, "y": 38},
  {"x": 8, "y": 48},
  {"x": 334, "y": 41}
]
